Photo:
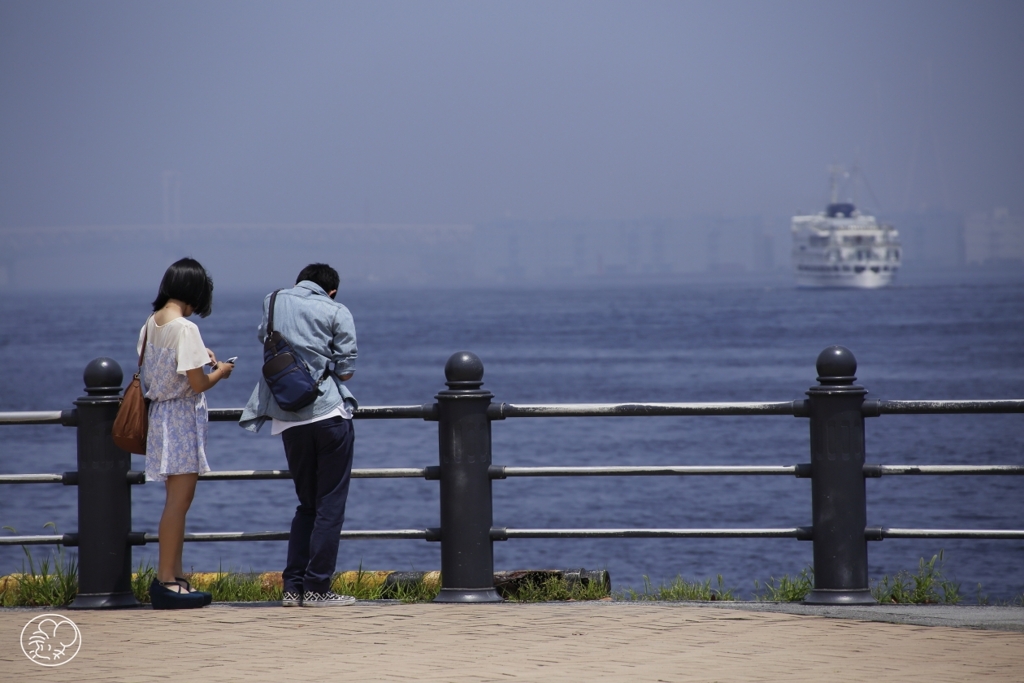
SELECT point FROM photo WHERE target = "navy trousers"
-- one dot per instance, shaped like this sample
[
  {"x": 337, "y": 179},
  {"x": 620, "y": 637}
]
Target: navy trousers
[{"x": 320, "y": 459}]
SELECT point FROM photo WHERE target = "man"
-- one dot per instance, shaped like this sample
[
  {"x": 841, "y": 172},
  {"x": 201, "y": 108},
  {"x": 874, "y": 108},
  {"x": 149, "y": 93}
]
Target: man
[{"x": 318, "y": 438}]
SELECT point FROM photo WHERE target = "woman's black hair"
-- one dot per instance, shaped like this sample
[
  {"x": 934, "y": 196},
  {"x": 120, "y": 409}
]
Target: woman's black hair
[{"x": 186, "y": 280}]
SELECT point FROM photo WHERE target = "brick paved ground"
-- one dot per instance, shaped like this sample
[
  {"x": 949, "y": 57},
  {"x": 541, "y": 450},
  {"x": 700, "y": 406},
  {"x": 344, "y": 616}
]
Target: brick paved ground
[{"x": 536, "y": 642}]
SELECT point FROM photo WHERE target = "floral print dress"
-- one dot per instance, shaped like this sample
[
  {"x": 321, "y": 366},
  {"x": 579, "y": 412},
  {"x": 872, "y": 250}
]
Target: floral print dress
[{"x": 176, "y": 441}]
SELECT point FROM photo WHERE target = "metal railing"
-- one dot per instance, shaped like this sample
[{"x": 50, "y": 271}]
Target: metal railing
[{"x": 836, "y": 410}]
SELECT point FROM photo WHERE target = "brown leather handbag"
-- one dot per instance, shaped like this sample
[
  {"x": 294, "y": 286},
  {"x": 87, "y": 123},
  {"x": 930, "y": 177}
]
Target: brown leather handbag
[{"x": 132, "y": 421}]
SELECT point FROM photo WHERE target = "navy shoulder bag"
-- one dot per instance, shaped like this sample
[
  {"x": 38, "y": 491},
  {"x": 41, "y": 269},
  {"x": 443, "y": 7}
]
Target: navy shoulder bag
[{"x": 287, "y": 376}]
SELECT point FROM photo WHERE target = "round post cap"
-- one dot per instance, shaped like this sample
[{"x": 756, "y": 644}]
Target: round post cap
[
  {"x": 102, "y": 376},
  {"x": 836, "y": 365},
  {"x": 464, "y": 370}
]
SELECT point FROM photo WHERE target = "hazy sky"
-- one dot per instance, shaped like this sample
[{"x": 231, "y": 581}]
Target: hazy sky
[{"x": 467, "y": 112}]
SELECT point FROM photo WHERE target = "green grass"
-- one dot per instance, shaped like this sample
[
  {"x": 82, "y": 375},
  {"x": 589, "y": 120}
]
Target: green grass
[
  {"x": 983, "y": 599},
  {"x": 553, "y": 589},
  {"x": 364, "y": 585},
  {"x": 141, "y": 578},
  {"x": 680, "y": 589},
  {"x": 54, "y": 581},
  {"x": 786, "y": 589},
  {"x": 251, "y": 586},
  {"x": 928, "y": 586},
  {"x": 420, "y": 591},
  {"x": 240, "y": 587}
]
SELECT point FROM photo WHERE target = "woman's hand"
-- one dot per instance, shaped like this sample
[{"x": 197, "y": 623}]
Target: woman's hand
[
  {"x": 224, "y": 369},
  {"x": 200, "y": 381},
  {"x": 213, "y": 357}
]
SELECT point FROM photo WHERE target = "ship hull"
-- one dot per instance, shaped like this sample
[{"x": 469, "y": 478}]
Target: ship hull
[{"x": 847, "y": 279}]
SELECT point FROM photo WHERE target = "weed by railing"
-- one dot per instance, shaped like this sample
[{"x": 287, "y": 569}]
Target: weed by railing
[
  {"x": 681, "y": 590},
  {"x": 141, "y": 578},
  {"x": 553, "y": 589},
  {"x": 786, "y": 589},
  {"x": 54, "y": 582},
  {"x": 928, "y": 586}
]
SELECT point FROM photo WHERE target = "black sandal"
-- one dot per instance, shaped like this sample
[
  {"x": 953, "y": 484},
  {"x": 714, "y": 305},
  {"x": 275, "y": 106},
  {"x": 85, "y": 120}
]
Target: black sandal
[
  {"x": 163, "y": 597},
  {"x": 207, "y": 597}
]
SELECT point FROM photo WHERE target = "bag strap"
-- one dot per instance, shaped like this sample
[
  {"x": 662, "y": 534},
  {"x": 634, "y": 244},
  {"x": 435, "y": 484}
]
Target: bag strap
[
  {"x": 270, "y": 331},
  {"x": 145, "y": 338},
  {"x": 270, "y": 315}
]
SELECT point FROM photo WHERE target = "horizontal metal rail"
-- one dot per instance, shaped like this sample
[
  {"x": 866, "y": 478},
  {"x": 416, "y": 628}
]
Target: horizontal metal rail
[
  {"x": 500, "y": 411},
  {"x": 875, "y": 408},
  {"x": 433, "y": 472},
  {"x": 68, "y": 418},
  {"x": 140, "y": 538},
  {"x": 370, "y": 473},
  {"x": 802, "y": 533},
  {"x": 799, "y": 533},
  {"x": 503, "y": 534},
  {"x": 950, "y": 469},
  {"x": 71, "y": 478},
  {"x": 224, "y": 414},
  {"x": 501, "y": 472},
  {"x": 230, "y": 475},
  {"x": 427, "y": 411},
  {"x": 358, "y": 535},
  {"x": 31, "y": 478},
  {"x": 802, "y": 470},
  {"x": 878, "y": 533},
  {"x": 51, "y": 539}
]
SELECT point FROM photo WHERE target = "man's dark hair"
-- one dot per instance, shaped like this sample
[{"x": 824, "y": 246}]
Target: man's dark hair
[
  {"x": 322, "y": 274},
  {"x": 187, "y": 281}
]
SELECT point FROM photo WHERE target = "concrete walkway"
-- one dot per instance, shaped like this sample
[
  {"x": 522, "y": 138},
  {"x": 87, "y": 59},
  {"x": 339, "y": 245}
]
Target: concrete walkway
[
  {"x": 602, "y": 641},
  {"x": 999, "y": 618}
]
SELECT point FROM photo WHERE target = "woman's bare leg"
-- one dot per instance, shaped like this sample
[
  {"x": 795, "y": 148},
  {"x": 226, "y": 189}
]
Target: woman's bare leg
[{"x": 181, "y": 488}]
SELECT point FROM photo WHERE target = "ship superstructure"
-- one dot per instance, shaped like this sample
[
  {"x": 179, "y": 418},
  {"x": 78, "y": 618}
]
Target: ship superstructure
[{"x": 842, "y": 247}]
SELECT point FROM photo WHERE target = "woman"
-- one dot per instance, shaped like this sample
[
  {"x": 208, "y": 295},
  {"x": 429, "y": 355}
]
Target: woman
[{"x": 174, "y": 380}]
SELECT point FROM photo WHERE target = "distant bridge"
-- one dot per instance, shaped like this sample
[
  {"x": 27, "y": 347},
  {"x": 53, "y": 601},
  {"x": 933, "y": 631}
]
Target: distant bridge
[
  {"x": 22, "y": 239},
  {"x": 409, "y": 252}
]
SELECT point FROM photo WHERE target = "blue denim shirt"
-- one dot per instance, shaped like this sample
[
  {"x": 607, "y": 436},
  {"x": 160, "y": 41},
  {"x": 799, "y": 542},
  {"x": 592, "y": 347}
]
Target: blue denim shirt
[{"x": 321, "y": 332}]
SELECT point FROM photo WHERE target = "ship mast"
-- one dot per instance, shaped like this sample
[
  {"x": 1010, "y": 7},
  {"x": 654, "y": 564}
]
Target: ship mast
[{"x": 835, "y": 174}]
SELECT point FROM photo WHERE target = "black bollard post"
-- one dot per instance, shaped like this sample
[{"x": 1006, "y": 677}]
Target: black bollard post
[
  {"x": 838, "y": 498},
  {"x": 464, "y": 439},
  {"x": 104, "y": 495}
]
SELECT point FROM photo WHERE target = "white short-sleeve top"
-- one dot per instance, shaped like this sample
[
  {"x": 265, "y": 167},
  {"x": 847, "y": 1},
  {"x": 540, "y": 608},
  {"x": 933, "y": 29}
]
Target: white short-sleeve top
[{"x": 181, "y": 335}]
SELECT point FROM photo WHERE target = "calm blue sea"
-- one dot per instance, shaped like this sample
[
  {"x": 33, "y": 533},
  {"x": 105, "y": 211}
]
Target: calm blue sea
[{"x": 668, "y": 343}]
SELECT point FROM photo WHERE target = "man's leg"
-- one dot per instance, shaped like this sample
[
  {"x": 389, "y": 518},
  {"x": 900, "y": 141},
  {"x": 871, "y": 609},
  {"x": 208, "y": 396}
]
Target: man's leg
[
  {"x": 334, "y": 440},
  {"x": 300, "y": 450}
]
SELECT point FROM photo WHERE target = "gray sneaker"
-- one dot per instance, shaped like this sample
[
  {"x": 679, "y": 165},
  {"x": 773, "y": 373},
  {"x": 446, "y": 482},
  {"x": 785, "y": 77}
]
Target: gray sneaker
[
  {"x": 290, "y": 599},
  {"x": 328, "y": 599}
]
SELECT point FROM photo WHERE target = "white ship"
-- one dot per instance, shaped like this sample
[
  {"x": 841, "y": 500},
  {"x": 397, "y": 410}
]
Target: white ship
[{"x": 842, "y": 247}]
